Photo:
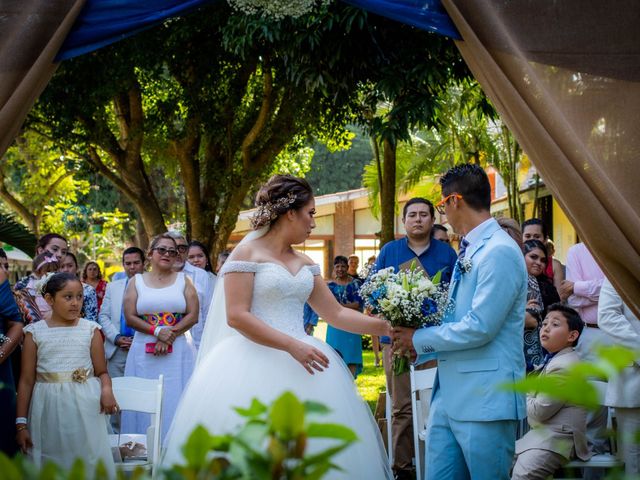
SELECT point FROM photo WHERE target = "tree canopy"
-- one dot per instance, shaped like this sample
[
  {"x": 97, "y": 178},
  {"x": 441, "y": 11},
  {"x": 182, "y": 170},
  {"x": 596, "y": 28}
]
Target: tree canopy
[{"x": 206, "y": 105}]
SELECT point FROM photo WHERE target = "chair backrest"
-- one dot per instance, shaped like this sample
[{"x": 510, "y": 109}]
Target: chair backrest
[
  {"x": 143, "y": 395},
  {"x": 422, "y": 379},
  {"x": 388, "y": 410},
  {"x": 138, "y": 394}
]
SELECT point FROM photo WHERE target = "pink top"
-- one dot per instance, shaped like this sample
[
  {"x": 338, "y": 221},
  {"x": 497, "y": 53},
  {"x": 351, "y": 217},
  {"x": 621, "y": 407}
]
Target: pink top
[
  {"x": 583, "y": 270},
  {"x": 43, "y": 306}
]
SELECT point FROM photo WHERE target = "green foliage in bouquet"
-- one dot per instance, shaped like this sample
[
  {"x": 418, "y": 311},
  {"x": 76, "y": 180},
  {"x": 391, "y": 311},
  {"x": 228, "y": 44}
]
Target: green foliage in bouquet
[
  {"x": 271, "y": 445},
  {"x": 408, "y": 298}
]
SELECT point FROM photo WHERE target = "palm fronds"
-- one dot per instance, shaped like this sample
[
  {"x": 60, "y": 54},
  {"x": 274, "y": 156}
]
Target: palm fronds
[{"x": 17, "y": 235}]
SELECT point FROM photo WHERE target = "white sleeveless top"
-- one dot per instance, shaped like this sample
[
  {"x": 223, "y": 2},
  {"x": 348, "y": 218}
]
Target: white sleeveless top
[{"x": 166, "y": 299}]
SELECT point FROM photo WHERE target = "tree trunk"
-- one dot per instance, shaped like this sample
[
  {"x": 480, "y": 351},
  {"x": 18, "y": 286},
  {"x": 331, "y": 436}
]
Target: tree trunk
[
  {"x": 128, "y": 174},
  {"x": 388, "y": 192},
  {"x": 141, "y": 238}
]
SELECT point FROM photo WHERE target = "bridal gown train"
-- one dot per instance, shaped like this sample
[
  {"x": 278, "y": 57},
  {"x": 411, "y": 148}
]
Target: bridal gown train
[{"x": 237, "y": 370}]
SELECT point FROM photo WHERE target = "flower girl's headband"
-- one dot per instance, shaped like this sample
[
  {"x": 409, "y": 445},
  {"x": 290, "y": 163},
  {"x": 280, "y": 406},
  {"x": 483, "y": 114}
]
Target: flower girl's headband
[
  {"x": 269, "y": 211},
  {"x": 51, "y": 259}
]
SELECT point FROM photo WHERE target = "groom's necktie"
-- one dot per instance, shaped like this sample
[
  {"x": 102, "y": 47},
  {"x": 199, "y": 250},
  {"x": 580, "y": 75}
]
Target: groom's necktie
[{"x": 463, "y": 248}]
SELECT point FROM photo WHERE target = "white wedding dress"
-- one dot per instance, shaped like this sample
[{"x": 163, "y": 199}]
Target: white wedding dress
[{"x": 236, "y": 369}]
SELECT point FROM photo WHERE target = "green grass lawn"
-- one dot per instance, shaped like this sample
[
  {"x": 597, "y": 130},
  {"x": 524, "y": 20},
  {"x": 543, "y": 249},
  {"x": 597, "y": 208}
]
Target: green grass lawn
[{"x": 371, "y": 381}]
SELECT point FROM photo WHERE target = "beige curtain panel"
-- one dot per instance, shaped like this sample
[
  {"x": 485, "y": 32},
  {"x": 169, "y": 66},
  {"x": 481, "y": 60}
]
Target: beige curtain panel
[
  {"x": 31, "y": 33},
  {"x": 565, "y": 77}
]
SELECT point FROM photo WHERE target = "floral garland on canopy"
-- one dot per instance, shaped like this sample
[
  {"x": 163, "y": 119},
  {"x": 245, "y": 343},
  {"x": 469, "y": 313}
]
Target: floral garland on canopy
[{"x": 278, "y": 9}]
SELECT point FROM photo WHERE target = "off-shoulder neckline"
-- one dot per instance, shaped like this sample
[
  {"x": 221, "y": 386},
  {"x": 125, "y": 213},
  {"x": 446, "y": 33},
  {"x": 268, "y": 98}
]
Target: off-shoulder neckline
[{"x": 306, "y": 265}]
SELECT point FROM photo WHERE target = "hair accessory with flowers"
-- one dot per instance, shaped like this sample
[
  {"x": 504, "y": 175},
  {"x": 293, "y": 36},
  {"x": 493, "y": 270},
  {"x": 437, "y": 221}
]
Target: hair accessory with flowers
[
  {"x": 269, "y": 211},
  {"x": 41, "y": 284}
]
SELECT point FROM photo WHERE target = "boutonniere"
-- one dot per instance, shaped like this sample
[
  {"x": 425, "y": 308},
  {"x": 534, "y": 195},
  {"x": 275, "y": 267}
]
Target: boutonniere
[{"x": 462, "y": 266}]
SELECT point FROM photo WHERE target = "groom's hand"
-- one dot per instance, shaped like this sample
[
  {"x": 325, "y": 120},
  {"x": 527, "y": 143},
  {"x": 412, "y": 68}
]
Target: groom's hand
[{"x": 402, "y": 339}]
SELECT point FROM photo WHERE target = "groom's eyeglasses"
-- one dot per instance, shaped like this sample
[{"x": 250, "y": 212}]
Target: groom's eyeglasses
[
  {"x": 440, "y": 205},
  {"x": 165, "y": 251}
]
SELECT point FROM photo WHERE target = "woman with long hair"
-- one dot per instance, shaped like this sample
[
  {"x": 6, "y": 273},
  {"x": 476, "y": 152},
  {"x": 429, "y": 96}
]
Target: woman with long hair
[
  {"x": 92, "y": 275},
  {"x": 255, "y": 345}
]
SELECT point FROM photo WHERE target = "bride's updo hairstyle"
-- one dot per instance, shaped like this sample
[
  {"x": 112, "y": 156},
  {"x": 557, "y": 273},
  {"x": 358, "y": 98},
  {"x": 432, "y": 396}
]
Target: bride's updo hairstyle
[{"x": 279, "y": 195}]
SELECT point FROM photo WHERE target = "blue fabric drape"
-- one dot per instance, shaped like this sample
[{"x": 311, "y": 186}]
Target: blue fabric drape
[
  {"x": 103, "y": 22},
  {"x": 424, "y": 14}
]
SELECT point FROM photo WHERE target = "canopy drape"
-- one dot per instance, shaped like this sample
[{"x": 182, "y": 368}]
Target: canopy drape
[
  {"x": 425, "y": 14},
  {"x": 31, "y": 33},
  {"x": 104, "y": 22},
  {"x": 565, "y": 76}
]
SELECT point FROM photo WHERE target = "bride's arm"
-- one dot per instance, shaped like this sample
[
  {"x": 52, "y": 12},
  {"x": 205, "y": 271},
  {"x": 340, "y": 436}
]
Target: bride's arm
[
  {"x": 328, "y": 308},
  {"x": 239, "y": 292}
]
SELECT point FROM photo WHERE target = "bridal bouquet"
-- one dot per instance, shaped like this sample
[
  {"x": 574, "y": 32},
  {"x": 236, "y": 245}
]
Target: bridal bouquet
[{"x": 406, "y": 299}]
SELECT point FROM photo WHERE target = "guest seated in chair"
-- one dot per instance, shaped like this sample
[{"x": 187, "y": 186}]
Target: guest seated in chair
[{"x": 557, "y": 428}]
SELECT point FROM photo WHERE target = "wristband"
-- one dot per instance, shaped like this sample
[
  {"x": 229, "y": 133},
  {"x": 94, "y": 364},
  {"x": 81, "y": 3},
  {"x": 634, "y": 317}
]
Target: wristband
[
  {"x": 152, "y": 330},
  {"x": 157, "y": 330},
  {"x": 21, "y": 420}
]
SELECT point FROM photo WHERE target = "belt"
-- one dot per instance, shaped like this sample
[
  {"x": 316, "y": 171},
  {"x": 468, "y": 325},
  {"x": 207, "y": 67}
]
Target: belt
[
  {"x": 163, "y": 319},
  {"x": 79, "y": 375},
  {"x": 591, "y": 325}
]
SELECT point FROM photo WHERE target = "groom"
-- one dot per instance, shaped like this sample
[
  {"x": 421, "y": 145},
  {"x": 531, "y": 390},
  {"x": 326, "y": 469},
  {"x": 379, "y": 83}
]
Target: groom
[{"x": 472, "y": 422}]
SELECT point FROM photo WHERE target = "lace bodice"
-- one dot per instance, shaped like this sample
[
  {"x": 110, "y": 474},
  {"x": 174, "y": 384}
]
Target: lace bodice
[
  {"x": 278, "y": 295},
  {"x": 63, "y": 349}
]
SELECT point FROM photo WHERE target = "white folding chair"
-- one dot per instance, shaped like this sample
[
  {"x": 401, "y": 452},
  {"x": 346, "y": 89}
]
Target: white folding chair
[
  {"x": 387, "y": 412},
  {"x": 421, "y": 384},
  {"x": 140, "y": 395},
  {"x": 603, "y": 460}
]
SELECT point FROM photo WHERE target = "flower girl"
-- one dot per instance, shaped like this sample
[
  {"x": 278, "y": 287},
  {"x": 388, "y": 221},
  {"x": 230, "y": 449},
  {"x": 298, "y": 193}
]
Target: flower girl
[{"x": 64, "y": 385}]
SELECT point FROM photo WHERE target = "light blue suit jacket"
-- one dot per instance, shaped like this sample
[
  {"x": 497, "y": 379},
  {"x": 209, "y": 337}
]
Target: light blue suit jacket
[{"x": 479, "y": 346}]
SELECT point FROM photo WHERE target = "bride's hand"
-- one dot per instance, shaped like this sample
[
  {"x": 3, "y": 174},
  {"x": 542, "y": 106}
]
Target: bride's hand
[
  {"x": 386, "y": 327},
  {"x": 310, "y": 357},
  {"x": 381, "y": 327}
]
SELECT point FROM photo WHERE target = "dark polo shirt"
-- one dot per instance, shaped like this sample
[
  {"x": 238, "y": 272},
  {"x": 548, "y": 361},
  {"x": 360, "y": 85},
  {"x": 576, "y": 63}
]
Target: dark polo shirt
[{"x": 438, "y": 257}]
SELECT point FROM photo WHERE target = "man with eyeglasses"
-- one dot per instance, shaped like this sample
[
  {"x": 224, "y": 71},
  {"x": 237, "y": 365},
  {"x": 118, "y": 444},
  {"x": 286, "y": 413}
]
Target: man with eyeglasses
[
  {"x": 203, "y": 282},
  {"x": 432, "y": 256},
  {"x": 479, "y": 344}
]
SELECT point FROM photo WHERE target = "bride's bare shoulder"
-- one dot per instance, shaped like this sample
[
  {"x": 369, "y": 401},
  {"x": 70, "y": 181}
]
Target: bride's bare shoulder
[{"x": 244, "y": 253}]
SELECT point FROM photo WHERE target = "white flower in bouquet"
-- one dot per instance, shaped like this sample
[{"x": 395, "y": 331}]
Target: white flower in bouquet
[{"x": 406, "y": 299}]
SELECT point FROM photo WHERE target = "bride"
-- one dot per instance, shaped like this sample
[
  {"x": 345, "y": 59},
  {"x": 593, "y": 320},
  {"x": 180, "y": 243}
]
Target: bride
[{"x": 254, "y": 343}]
